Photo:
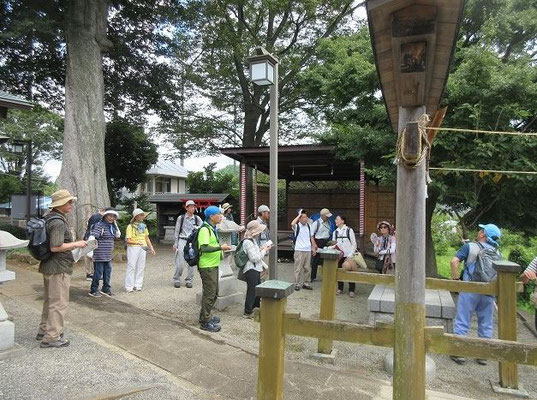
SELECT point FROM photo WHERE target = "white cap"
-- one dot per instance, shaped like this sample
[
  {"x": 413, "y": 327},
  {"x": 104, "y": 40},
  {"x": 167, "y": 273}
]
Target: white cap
[
  {"x": 190, "y": 203},
  {"x": 262, "y": 208}
]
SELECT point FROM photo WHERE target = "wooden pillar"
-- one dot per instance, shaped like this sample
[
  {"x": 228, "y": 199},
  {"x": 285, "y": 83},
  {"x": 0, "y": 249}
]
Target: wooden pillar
[
  {"x": 328, "y": 295},
  {"x": 507, "y": 276},
  {"x": 409, "y": 346},
  {"x": 270, "y": 370},
  {"x": 362, "y": 205}
]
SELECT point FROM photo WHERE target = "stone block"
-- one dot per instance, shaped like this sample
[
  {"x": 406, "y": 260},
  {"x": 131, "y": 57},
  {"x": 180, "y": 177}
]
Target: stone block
[
  {"x": 448, "y": 305},
  {"x": 521, "y": 393},
  {"x": 7, "y": 335},
  {"x": 373, "y": 301},
  {"x": 6, "y": 275},
  {"x": 325, "y": 358},
  {"x": 3, "y": 313}
]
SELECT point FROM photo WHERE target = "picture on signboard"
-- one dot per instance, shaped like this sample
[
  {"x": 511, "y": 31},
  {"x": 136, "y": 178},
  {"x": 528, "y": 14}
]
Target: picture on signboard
[{"x": 413, "y": 57}]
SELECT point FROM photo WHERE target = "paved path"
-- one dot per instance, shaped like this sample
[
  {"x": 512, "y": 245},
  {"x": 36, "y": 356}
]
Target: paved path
[{"x": 192, "y": 365}]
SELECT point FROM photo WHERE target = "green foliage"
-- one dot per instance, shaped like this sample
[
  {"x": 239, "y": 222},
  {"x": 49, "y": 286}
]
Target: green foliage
[
  {"x": 142, "y": 201},
  {"x": 223, "y": 35},
  {"x": 445, "y": 235},
  {"x": 128, "y": 154},
  {"x": 9, "y": 185},
  {"x": 18, "y": 232},
  {"x": 212, "y": 181}
]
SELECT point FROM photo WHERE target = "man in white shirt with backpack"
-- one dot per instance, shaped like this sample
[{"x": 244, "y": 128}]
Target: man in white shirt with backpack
[
  {"x": 304, "y": 245},
  {"x": 184, "y": 226}
]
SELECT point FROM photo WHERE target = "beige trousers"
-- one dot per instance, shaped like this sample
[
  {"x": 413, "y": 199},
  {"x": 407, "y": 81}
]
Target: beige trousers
[
  {"x": 302, "y": 267},
  {"x": 54, "y": 306},
  {"x": 88, "y": 264}
]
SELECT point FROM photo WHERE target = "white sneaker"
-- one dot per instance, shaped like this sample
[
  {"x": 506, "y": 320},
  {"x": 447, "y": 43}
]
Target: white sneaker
[
  {"x": 137, "y": 289},
  {"x": 129, "y": 290}
]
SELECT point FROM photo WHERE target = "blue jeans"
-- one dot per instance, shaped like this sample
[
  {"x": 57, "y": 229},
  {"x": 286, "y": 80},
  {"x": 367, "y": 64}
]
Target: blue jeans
[
  {"x": 483, "y": 306},
  {"x": 103, "y": 270}
]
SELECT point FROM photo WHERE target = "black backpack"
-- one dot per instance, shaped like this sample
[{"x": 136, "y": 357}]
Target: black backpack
[
  {"x": 36, "y": 232},
  {"x": 348, "y": 236},
  {"x": 191, "y": 252},
  {"x": 484, "y": 270}
]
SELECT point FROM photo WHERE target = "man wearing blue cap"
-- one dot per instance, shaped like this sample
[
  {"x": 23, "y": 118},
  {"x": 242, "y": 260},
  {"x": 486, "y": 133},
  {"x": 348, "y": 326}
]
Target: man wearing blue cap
[
  {"x": 209, "y": 260},
  {"x": 468, "y": 303}
]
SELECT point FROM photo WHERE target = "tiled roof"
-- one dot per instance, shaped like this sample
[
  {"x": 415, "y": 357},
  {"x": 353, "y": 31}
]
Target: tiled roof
[
  {"x": 12, "y": 101},
  {"x": 168, "y": 168}
]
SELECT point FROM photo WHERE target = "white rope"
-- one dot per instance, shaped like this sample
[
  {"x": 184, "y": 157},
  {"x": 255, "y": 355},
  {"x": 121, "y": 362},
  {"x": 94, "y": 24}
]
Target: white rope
[{"x": 493, "y": 171}]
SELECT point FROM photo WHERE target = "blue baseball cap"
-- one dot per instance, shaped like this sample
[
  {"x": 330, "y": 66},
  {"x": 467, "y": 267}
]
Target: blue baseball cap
[
  {"x": 492, "y": 232},
  {"x": 212, "y": 210}
]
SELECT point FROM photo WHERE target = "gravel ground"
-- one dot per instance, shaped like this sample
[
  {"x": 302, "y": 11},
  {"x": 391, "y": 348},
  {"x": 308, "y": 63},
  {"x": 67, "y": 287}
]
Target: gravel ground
[
  {"x": 159, "y": 295},
  {"x": 90, "y": 370}
]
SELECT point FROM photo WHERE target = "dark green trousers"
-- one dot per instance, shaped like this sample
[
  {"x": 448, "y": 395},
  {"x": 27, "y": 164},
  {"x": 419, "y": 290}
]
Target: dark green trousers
[{"x": 209, "y": 280}]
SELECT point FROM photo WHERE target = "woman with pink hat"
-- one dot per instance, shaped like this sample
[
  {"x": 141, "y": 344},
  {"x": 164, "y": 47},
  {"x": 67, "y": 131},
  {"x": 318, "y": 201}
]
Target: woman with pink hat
[{"x": 384, "y": 246}]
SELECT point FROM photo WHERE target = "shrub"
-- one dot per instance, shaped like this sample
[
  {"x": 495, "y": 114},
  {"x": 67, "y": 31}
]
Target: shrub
[{"x": 18, "y": 232}]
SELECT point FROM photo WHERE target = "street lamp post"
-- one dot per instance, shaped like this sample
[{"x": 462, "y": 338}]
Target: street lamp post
[
  {"x": 18, "y": 149},
  {"x": 264, "y": 72}
]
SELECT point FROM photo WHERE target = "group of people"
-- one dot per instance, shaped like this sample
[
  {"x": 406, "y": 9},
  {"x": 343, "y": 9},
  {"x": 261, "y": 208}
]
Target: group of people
[{"x": 308, "y": 237}]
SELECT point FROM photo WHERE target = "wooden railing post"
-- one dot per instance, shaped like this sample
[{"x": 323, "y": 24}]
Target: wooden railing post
[
  {"x": 328, "y": 294},
  {"x": 272, "y": 338},
  {"x": 507, "y": 277}
]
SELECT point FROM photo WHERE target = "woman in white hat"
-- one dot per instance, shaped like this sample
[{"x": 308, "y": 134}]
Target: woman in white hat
[
  {"x": 255, "y": 265},
  {"x": 138, "y": 242},
  {"x": 384, "y": 246}
]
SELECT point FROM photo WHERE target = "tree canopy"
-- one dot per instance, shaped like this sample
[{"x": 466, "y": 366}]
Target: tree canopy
[
  {"x": 129, "y": 154},
  {"x": 139, "y": 79}
]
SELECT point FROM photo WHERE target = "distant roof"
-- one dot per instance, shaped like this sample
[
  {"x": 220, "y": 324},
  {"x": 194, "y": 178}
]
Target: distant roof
[
  {"x": 168, "y": 168},
  {"x": 213, "y": 198},
  {"x": 310, "y": 162},
  {"x": 9, "y": 100}
]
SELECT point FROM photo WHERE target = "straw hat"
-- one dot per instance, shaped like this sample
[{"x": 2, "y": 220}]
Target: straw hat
[
  {"x": 254, "y": 228},
  {"x": 225, "y": 206},
  {"x": 384, "y": 223},
  {"x": 61, "y": 197},
  {"x": 136, "y": 212}
]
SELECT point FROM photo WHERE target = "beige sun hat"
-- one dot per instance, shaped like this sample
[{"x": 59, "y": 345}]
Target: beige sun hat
[
  {"x": 136, "y": 212},
  {"x": 225, "y": 206},
  {"x": 326, "y": 212},
  {"x": 61, "y": 197},
  {"x": 254, "y": 228}
]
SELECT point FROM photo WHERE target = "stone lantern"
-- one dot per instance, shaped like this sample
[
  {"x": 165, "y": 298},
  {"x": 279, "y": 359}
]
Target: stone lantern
[{"x": 7, "y": 328}]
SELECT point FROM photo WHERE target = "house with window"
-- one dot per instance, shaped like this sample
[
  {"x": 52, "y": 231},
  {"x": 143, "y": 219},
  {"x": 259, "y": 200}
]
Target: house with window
[{"x": 164, "y": 177}]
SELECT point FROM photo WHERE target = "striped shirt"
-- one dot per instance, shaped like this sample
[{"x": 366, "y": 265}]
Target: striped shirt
[
  {"x": 105, "y": 235},
  {"x": 532, "y": 265}
]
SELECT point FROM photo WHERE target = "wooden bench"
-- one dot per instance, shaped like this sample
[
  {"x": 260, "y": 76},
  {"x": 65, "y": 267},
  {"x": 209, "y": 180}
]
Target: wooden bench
[{"x": 439, "y": 306}]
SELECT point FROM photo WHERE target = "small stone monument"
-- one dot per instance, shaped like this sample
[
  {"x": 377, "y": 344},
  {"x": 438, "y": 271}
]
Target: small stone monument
[
  {"x": 7, "y": 328},
  {"x": 227, "y": 282}
]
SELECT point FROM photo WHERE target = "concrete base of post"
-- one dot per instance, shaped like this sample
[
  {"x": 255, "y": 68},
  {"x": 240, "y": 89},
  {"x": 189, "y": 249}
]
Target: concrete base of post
[
  {"x": 521, "y": 393},
  {"x": 430, "y": 366},
  {"x": 325, "y": 358}
]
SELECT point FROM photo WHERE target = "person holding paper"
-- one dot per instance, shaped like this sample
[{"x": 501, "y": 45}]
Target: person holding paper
[{"x": 105, "y": 232}]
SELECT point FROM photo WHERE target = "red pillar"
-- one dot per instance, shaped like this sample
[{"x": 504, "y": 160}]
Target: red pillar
[
  {"x": 242, "y": 199},
  {"x": 255, "y": 191},
  {"x": 362, "y": 205}
]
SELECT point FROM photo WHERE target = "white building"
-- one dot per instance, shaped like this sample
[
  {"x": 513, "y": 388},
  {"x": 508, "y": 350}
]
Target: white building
[{"x": 164, "y": 177}]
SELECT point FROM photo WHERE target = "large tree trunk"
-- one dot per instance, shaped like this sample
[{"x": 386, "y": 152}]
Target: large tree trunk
[
  {"x": 431, "y": 269},
  {"x": 83, "y": 166}
]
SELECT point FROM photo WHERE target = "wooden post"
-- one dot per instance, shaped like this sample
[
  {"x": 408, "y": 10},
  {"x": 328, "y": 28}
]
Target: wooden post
[
  {"x": 507, "y": 276},
  {"x": 409, "y": 346},
  {"x": 328, "y": 295},
  {"x": 272, "y": 338}
]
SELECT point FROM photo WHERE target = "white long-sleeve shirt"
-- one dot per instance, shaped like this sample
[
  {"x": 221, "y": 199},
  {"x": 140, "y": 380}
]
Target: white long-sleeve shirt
[
  {"x": 255, "y": 256},
  {"x": 385, "y": 245},
  {"x": 345, "y": 240}
]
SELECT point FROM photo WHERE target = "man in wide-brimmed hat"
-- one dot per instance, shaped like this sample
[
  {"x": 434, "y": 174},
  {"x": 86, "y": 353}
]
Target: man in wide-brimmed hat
[{"x": 57, "y": 271}]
